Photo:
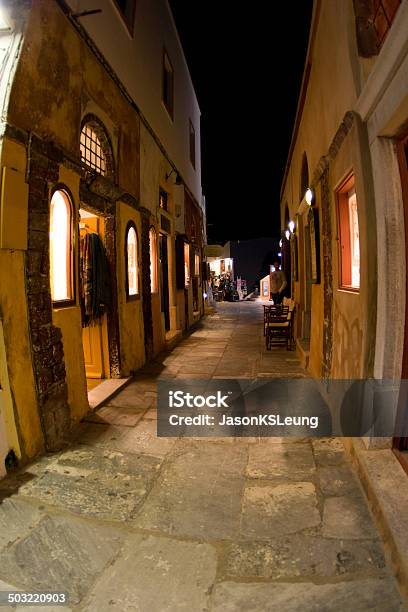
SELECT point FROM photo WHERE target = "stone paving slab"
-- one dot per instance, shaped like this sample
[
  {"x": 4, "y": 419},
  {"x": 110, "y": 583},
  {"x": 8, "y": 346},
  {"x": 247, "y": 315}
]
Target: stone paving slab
[
  {"x": 302, "y": 555},
  {"x": 281, "y": 461},
  {"x": 338, "y": 480},
  {"x": 107, "y": 485},
  {"x": 271, "y": 511},
  {"x": 199, "y": 494},
  {"x": 143, "y": 439},
  {"x": 156, "y": 575},
  {"x": 370, "y": 594},
  {"x": 62, "y": 554},
  {"x": 347, "y": 517},
  {"x": 17, "y": 518},
  {"x": 117, "y": 415},
  {"x": 328, "y": 451}
]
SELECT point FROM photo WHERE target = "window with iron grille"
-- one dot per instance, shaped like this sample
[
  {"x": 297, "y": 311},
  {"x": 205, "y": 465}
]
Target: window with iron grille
[{"x": 95, "y": 147}]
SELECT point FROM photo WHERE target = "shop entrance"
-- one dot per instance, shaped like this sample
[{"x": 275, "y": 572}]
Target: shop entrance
[
  {"x": 94, "y": 286},
  {"x": 164, "y": 280}
]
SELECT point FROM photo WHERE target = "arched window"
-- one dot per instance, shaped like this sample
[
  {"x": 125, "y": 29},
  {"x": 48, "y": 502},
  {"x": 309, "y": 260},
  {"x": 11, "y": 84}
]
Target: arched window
[
  {"x": 96, "y": 151},
  {"x": 61, "y": 251},
  {"x": 304, "y": 177},
  {"x": 153, "y": 259},
  {"x": 132, "y": 261}
]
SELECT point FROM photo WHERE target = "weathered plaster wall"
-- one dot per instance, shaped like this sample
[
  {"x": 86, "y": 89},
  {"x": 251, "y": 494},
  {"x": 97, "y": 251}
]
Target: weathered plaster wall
[
  {"x": 13, "y": 305},
  {"x": 342, "y": 323},
  {"x": 58, "y": 80}
]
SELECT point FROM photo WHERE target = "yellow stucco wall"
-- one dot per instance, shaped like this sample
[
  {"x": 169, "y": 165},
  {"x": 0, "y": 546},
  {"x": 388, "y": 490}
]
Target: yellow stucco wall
[
  {"x": 13, "y": 306},
  {"x": 336, "y": 67},
  {"x": 132, "y": 349}
]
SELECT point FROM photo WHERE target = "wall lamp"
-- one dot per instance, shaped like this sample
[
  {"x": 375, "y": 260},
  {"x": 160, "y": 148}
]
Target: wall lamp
[
  {"x": 179, "y": 180},
  {"x": 309, "y": 195},
  {"x": 287, "y": 234},
  {"x": 291, "y": 226}
]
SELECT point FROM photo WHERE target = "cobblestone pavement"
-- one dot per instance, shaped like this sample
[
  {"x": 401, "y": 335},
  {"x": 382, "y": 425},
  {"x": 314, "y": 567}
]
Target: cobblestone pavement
[{"x": 123, "y": 520}]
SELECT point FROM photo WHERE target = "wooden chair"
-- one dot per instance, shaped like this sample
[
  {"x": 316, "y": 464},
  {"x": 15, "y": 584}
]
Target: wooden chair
[{"x": 279, "y": 326}]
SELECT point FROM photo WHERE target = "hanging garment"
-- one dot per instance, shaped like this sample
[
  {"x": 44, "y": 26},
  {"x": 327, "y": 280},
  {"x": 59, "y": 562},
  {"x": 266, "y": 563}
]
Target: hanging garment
[{"x": 96, "y": 295}]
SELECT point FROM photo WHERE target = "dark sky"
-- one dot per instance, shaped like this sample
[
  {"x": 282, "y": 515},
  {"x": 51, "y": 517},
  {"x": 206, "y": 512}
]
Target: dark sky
[{"x": 246, "y": 61}]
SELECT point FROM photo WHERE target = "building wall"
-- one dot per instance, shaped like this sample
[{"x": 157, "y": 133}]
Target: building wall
[
  {"x": 137, "y": 60},
  {"x": 342, "y": 322},
  {"x": 55, "y": 79},
  {"x": 361, "y": 106}
]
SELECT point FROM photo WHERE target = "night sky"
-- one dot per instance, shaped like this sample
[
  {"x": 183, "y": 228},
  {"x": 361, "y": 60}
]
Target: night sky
[{"x": 246, "y": 61}]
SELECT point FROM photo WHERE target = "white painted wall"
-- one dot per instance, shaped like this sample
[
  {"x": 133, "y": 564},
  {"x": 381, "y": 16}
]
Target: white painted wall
[{"x": 137, "y": 60}]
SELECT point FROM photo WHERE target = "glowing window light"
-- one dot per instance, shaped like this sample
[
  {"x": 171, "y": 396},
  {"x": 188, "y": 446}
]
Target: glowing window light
[
  {"x": 287, "y": 234},
  {"x": 291, "y": 226},
  {"x": 60, "y": 247},
  {"x": 132, "y": 275}
]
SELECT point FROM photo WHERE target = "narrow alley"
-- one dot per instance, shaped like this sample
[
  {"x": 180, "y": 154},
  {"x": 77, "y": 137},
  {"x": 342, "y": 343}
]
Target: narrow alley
[{"x": 124, "y": 520}]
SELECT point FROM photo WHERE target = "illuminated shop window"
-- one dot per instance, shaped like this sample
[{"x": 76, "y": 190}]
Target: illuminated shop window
[
  {"x": 61, "y": 259},
  {"x": 95, "y": 147},
  {"x": 132, "y": 262},
  {"x": 349, "y": 236},
  {"x": 186, "y": 264},
  {"x": 153, "y": 259}
]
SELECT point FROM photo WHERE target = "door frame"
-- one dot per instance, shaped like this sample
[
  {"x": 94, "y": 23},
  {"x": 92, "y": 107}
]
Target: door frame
[
  {"x": 400, "y": 443},
  {"x": 107, "y": 214}
]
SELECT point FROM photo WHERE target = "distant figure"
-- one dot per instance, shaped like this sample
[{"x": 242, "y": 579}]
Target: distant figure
[{"x": 278, "y": 283}]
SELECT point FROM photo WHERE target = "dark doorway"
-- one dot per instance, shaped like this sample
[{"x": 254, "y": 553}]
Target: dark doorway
[{"x": 164, "y": 280}]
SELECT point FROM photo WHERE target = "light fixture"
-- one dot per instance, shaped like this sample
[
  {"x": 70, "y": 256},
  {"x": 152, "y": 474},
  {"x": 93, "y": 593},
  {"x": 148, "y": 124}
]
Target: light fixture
[
  {"x": 309, "y": 196},
  {"x": 279, "y": 254},
  {"x": 179, "y": 180},
  {"x": 287, "y": 234},
  {"x": 291, "y": 226},
  {"x": 280, "y": 243},
  {"x": 4, "y": 26}
]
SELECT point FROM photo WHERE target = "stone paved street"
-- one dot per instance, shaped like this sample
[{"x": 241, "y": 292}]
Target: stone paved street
[{"x": 123, "y": 520}]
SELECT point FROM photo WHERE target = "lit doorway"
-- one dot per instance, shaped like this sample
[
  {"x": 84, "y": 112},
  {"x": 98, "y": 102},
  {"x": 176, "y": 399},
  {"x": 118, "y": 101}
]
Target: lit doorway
[{"x": 94, "y": 318}]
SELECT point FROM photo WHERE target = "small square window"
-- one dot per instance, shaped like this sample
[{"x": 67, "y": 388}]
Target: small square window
[
  {"x": 168, "y": 84},
  {"x": 192, "y": 145},
  {"x": 349, "y": 236}
]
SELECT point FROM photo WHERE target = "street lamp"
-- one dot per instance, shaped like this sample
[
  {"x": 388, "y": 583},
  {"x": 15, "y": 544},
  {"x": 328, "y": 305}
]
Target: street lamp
[{"x": 309, "y": 196}]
